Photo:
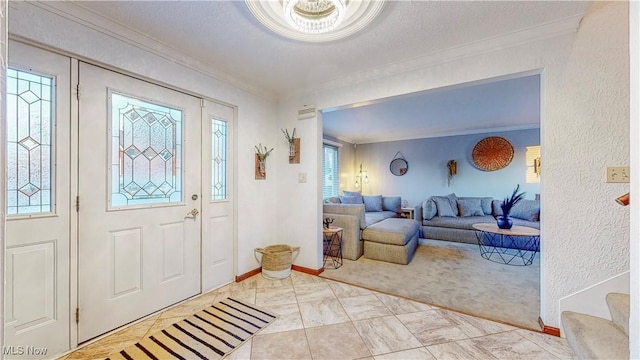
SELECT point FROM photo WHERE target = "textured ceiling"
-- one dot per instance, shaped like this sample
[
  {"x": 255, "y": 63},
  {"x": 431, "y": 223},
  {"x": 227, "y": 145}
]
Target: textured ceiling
[{"x": 225, "y": 38}]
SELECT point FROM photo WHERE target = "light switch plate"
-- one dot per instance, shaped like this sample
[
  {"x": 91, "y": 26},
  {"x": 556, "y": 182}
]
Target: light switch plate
[
  {"x": 617, "y": 174},
  {"x": 302, "y": 177}
]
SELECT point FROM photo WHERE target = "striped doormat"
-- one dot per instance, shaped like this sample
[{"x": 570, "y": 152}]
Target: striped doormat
[{"x": 209, "y": 334}]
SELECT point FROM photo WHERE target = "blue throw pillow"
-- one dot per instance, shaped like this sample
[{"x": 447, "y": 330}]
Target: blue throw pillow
[
  {"x": 470, "y": 207},
  {"x": 429, "y": 209},
  {"x": 348, "y": 200},
  {"x": 443, "y": 206},
  {"x": 355, "y": 194},
  {"x": 372, "y": 203}
]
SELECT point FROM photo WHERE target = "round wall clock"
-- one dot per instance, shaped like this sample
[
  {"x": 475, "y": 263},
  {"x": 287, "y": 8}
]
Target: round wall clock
[{"x": 492, "y": 153}]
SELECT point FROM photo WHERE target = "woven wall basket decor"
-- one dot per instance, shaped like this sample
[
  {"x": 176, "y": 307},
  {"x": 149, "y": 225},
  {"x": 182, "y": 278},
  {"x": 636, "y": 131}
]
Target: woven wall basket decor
[{"x": 492, "y": 153}]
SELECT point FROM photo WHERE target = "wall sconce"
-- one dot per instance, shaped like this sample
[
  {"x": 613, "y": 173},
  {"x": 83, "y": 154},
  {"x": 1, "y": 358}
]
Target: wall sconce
[
  {"x": 623, "y": 200},
  {"x": 452, "y": 167},
  {"x": 361, "y": 177},
  {"x": 536, "y": 166}
]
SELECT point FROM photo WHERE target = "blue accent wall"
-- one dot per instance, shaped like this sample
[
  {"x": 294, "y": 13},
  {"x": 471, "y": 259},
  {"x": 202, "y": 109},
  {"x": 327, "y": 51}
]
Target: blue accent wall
[{"x": 427, "y": 174}]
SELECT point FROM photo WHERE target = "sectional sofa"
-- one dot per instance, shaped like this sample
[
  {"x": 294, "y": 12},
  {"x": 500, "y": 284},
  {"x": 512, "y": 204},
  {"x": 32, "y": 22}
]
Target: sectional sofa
[
  {"x": 372, "y": 226},
  {"x": 451, "y": 217}
]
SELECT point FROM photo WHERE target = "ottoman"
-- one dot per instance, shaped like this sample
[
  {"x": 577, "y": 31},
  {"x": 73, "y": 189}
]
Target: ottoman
[{"x": 392, "y": 240}]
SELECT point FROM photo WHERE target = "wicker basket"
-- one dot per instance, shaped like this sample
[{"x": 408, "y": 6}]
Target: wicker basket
[{"x": 276, "y": 260}]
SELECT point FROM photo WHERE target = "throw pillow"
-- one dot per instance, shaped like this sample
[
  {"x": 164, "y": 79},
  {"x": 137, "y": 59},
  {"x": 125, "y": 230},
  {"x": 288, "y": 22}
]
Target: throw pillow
[
  {"x": 486, "y": 205},
  {"x": 356, "y": 194},
  {"x": 429, "y": 209},
  {"x": 372, "y": 203},
  {"x": 348, "y": 199},
  {"x": 526, "y": 210},
  {"x": 392, "y": 203},
  {"x": 453, "y": 200},
  {"x": 443, "y": 206},
  {"x": 470, "y": 207}
]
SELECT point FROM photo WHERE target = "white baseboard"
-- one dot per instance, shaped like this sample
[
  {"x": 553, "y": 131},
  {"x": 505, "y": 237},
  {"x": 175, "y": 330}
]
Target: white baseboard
[{"x": 592, "y": 300}]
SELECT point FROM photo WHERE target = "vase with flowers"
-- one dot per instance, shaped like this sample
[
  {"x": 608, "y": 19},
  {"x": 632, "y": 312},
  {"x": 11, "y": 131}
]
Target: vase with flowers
[
  {"x": 262, "y": 153},
  {"x": 291, "y": 140},
  {"x": 504, "y": 221}
]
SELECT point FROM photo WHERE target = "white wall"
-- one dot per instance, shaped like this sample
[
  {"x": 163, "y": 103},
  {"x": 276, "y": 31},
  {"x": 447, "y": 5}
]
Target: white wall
[
  {"x": 634, "y": 75},
  {"x": 255, "y": 124},
  {"x": 584, "y": 128}
]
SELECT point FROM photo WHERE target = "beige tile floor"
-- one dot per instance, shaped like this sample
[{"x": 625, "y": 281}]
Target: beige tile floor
[{"x": 324, "y": 319}]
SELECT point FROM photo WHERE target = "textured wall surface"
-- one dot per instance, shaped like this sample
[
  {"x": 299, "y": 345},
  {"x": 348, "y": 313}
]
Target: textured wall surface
[{"x": 584, "y": 129}]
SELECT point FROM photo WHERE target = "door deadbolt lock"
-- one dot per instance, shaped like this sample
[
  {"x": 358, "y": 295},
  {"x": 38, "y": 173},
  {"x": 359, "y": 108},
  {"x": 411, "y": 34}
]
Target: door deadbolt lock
[{"x": 194, "y": 197}]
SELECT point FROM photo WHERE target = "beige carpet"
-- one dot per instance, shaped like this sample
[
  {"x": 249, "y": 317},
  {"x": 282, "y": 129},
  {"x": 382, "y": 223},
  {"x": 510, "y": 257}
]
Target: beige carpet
[{"x": 454, "y": 276}]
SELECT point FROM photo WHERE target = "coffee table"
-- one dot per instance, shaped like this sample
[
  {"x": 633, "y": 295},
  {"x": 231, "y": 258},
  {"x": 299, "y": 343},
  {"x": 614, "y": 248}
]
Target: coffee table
[{"x": 515, "y": 246}]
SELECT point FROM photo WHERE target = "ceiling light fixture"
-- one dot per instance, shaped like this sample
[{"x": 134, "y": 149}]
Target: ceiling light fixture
[{"x": 314, "y": 16}]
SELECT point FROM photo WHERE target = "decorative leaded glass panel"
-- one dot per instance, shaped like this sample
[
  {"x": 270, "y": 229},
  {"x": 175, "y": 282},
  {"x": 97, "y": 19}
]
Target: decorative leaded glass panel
[
  {"x": 218, "y": 159},
  {"x": 146, "y": 152},
  {"x": 29, "y": 122}
]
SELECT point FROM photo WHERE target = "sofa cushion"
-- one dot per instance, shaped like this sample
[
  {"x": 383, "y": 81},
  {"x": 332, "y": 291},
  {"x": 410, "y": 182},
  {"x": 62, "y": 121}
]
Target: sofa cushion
[
  {"x": 429, "y": 209},
  {"x": 526, "y": 210},
  {"x": 470, "y": 207},
  {"x": 373, "y": 217},
  {"x": 443, "y": 206},
  {"x": 372, "y": 203},
  {"x": 357, "y": 195},
  {"x": 348, "y": 200},
  {"x": 392, "y": 203},
  {"x": 391, "y": 231},
  {"x": 459, "y": 222}
]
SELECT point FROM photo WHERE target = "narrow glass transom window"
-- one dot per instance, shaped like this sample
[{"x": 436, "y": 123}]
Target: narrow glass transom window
[
  {"x": 218, "y": 159},
  {"x": 30, "y": 125},
  {"x": 146, "y": 152}
]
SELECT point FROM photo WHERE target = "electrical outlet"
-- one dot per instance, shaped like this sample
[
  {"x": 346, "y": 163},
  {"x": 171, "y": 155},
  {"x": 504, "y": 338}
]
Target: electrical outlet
[
  {"x": 617, "y": 174},
  {"x": 302, "y": 177}
]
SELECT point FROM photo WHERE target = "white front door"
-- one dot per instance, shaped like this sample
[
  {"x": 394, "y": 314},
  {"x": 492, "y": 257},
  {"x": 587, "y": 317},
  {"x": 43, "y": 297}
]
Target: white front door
[
  {"x": 38, "y": 203},
  {"x": 140, "y": 199},
  {"x": 218, "y": 125}
]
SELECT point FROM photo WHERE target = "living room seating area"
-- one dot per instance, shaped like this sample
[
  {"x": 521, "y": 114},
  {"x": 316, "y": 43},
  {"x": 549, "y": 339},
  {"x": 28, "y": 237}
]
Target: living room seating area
[
  {"x": 451, "y": 218},
  {"x": 372, "y": 226}
]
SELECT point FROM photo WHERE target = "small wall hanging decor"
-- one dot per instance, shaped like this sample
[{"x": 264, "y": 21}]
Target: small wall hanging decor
[
  {"x": 452, "y": 170},
  {"x": 492, "y": 153},
  {"x": 261, "y": 161},
  {"x": 399, "y": 166},
  {"x": 294, "y": 146}
]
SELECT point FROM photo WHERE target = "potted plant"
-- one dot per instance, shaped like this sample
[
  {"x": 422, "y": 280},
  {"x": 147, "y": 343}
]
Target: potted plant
[
  {"x": 290, "y": 139},
  {"x": 504, "y": 222},
  {"x": 262, "y": 153}
]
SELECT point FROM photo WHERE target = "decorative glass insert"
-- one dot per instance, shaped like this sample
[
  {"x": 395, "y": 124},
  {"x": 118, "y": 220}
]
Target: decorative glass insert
[
  {"x": 218, "y": 159},
  {"x": 30, "y": 124},
  {"x": 146, "y": 152}
]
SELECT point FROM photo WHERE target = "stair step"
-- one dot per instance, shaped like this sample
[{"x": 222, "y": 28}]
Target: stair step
[
  {"x": 592, "y": 337},
  {"x": 619, "y": 307}
]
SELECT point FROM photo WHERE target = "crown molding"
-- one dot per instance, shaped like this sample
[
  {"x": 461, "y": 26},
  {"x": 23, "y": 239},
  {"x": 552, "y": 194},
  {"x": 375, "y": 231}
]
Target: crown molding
[
  {"x": 79, "y": 14},
  {"x": 429, "y": 133},
  {"x": 548, "y": 30}
]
